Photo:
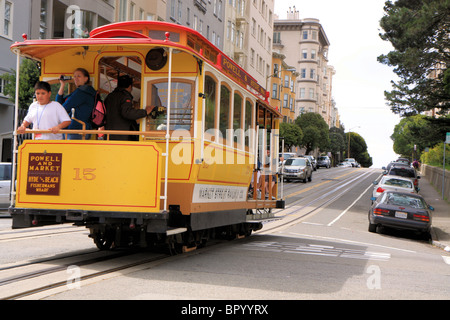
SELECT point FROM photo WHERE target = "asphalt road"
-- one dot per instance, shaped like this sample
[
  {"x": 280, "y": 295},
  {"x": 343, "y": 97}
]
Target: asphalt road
[{"x": 320, "y": 249}]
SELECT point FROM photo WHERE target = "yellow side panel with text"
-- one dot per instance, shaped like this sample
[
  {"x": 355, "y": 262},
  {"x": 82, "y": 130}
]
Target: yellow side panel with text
[{"x": 89, "y": 175}]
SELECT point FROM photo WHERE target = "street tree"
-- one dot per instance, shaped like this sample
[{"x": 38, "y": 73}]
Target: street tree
[
  {"x": 337, "y": 142},
  {"x": 315, "y": 132},
  {"x": 358, "y": 149},
  {"x": 420, "y": 131},
  {"x": 29, "y": 75},
  {"x": 292, "y": 135},
  {"x": 419, "y": 32}
]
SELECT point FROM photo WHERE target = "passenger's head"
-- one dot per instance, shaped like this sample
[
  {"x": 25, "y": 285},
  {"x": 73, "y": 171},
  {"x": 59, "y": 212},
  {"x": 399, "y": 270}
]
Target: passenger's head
[
  {"x": 124, "y": 82},
  {"x": 43, "y": 92},
  {"x": 81, "y": 77}
]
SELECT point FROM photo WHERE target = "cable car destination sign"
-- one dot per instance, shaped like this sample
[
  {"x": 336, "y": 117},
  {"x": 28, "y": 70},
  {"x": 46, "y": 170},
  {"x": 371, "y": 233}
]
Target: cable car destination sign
[
  {"x": 44, "y": 173},
  {"x": 236, "y": 72}
]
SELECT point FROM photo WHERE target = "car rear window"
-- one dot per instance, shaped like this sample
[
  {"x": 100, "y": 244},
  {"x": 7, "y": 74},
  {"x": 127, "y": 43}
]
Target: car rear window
[
  {"x": 398, "y": 199},
  {"x": 398, "y": 183},
  {"x": 402, "y": 172}
]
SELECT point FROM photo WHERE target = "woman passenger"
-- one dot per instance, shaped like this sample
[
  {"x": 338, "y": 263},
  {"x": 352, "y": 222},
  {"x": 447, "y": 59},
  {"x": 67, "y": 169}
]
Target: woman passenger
[{"x": 82, "y": 100}]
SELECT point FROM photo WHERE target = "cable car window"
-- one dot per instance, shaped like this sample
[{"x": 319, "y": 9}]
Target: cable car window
[
  {"x": 181, "y": 113},
  {"x": 237, "y": 118},
  {"x": 210, "y": 108},
  {"x": 248, "y": 122},
  {"x": 224, "y": 110}
]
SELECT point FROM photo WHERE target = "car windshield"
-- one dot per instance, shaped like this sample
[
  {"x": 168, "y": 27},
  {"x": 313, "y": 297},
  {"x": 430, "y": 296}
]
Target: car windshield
[
  {"x": 295, "y": 162},
  {"x": 398, "y": 183},
  {"x": 322, "y": 158},
  {"x": 398, "y": 199},
  {"x": 402, "y": 172}
]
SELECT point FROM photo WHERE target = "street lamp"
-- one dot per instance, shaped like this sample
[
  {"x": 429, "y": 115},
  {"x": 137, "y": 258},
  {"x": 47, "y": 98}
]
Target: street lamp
[{"x": 349, "y": 131}]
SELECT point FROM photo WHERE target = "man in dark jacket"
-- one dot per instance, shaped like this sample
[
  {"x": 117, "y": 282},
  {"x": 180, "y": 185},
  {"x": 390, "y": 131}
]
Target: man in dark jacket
[{"x": 120, "y": 114}]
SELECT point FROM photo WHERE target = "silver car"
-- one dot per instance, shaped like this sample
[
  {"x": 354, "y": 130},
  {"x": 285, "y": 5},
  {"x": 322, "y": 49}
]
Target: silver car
[
  {"x": 324, "y": 161},
  {"x": 393, "y": 183},
  {"x": 312, "y": 160},
  {"x": 5, "y": 184},
  {"x": 297, "y": 169}
]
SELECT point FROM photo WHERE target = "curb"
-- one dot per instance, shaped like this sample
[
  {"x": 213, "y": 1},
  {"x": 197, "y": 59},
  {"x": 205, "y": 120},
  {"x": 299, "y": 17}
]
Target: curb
[{"x": 437, "y": 243}]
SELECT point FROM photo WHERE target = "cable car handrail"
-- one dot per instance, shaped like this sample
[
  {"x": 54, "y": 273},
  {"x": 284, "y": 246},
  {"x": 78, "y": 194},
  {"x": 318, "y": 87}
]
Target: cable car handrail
[{"x": 104, "y": 132}]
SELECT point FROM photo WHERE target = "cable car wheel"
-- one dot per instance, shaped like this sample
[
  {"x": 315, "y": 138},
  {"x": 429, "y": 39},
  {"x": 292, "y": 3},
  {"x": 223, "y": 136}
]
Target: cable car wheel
[
  {"x": 187, "y": 241},
  {"x": 103, "y": 240}
]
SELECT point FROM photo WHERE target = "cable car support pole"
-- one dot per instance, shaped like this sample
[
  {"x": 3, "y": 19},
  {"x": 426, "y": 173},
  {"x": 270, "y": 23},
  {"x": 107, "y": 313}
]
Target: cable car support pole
[
  {"x": 16, "y": 119},
  {"x": 169, "y": 96}
]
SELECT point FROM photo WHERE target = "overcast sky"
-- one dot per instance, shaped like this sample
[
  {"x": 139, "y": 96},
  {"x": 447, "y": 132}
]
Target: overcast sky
[{"x": 352, "y": 27}]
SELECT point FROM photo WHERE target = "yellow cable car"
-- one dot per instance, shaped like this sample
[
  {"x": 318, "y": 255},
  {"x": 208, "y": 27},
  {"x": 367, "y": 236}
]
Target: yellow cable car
[{"x": 188, "y": 175}]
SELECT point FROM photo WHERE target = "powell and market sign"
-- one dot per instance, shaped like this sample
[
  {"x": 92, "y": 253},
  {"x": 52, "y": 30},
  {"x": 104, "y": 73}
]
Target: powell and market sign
[{"x": 237, "y": 73}]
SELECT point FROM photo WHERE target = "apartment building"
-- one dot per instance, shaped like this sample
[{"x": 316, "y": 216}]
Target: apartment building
[
  {"x": 248, "y": 35},
  {"x": 204, "y": 16},
  {"x": 52, "y": 19},
  {"x": 282, "y": 87},
  {"x": 140, "y": 10},
  {"x": 305, "y": 45}
]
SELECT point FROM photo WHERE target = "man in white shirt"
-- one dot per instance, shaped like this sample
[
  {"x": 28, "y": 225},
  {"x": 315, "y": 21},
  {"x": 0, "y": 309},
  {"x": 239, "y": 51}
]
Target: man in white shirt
[{"x": 45, "y": 114}]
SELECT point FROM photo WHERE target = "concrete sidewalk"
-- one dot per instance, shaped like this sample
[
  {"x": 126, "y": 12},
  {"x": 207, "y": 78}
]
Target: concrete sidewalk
[{"x": 440, "y": 232}]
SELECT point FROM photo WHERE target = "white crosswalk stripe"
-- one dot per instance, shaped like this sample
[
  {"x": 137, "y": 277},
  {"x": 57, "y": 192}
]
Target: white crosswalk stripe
[{"x": 314, "y": 249}]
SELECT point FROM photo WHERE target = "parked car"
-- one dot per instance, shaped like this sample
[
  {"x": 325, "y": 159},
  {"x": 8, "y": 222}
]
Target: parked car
[
  {"x": 398, "y": 162},
  {"x": 400, "y": 210},
  {"x": 297, "y": 169},
  {"x": 286, "y": 155},
  {"x": 393, "y": 183},
  {"x": 404, "y": 161},
  {"x": 5, "y": 184},
  {"x": 352, "y": 161},
  {"x": 406, "y": 172},
  {"x": 344, "y": 164},
  {"x": 313, "y": 161},
  {"x": 324, "y": 161}
]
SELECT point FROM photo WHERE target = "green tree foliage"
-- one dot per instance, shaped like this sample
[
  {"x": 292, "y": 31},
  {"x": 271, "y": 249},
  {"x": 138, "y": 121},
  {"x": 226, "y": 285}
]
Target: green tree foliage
[
  {"x": 291, "y": 133},
  {"x": 435, "y": 156},
  {"x": 421, "y": 131},
  {"x": 29, "y": 75},
  {"x": 358, "y": 149},
  {"x": 337, "y": 143},
  {"x": 315, "y": 132},
  {"x": 419, "y": 32}
]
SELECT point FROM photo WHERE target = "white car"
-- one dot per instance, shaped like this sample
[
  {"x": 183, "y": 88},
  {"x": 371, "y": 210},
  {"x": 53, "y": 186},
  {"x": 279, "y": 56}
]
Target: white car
[
  {"x": 5, "y": 184},
  {"x": 352, "y": 161},
  {"x": 393, "y": 183},
  {"x": 344, "y": 164}
]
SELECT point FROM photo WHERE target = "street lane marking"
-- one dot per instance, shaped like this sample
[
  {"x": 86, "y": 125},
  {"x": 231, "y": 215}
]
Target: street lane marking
[
  {"x": 314, "y": 249},
  {"x": 348, "y": 208},
  {"x": 318, "y": 185},
  {"x": 446, "y": 259},
  {"x": 348, "y": 241}
]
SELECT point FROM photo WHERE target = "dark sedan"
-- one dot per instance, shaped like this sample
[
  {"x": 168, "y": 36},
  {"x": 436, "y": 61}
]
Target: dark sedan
[{"x": 400, "y": 211}]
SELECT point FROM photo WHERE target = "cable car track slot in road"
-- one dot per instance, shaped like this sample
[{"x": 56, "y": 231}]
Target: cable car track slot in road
[{"x": 328, "y": 201}]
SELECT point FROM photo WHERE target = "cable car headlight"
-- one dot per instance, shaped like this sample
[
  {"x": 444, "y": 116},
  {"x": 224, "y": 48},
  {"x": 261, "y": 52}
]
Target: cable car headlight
[{"x": 156, "y": 59}]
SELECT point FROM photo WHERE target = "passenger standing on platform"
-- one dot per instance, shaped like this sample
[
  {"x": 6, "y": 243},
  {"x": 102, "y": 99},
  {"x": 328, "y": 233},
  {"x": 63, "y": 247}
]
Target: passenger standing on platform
[
  {"x": 120, "y": 112},
  {"x": 45, "y": 114},
  {"x": 269, "y": 176},
  {"x": 82, "y": 100}
]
